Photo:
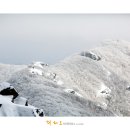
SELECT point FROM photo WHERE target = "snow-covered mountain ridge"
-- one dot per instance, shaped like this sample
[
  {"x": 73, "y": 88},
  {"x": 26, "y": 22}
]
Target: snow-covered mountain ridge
[{"x": 89, "y": 83}]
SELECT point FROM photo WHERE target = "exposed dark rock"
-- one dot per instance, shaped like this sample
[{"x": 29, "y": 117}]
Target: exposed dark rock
[
  {"x": 9, "y": 91},
  {"x": 73, "y": 92},
  {"x": 26, "y": 104},
  {"x": 38, "y": 112},
  {"x": 128, "y": 88}
]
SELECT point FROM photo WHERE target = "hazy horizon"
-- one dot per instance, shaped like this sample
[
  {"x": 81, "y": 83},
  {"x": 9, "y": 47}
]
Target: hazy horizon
[{"x": 52, "y": 37}]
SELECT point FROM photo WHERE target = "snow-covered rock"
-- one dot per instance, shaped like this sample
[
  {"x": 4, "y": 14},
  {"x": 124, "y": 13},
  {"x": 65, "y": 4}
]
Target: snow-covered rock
[
  {"x": 13, "y": 105},
  {"x": 36, "y": 71},
  {"x": 104, "y": 91},
  {"x": 71, "y": 91},
  {"x": 5, "y": 85},
  {"x": 38, "y": 64},
  {"x": 53, "y": 76},
  {"x": 8, "y": 89},
  {"x": 91, "y": 55}
]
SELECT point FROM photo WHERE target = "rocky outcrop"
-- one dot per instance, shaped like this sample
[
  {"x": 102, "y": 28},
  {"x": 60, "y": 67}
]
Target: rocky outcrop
[
  {"x": 11, "y": 104},
  {"x": 90, "y": 55}
]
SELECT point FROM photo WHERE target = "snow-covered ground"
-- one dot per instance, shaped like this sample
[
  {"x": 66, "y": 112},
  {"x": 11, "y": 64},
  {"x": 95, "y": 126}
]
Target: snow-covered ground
[{"x": 91, "y": 83}]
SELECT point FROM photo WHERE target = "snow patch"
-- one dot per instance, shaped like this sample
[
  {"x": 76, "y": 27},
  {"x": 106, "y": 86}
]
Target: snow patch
[
  {"x": 4, "y": 99},
  {"x": 48, "y": 74},
  {"x": 36, "y": 71},
  {"x": 11, "y": 109},
  {"x": 59, "y": 82},
  {"x": 5, "y": 85},
  {"x": 39, "y": 64},
  {"x": 108, "y": 73},
  {"x": 21, "y": 101},
  {"x": 104, "y": 91}
]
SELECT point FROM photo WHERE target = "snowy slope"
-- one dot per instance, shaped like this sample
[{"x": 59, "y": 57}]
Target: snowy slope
[
  {"x": 7, "y": 70},
  {"x": 89, "y": 83}
]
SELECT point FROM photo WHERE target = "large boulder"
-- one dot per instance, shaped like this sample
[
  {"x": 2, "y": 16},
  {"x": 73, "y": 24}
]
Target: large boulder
[{"x": 11, "y": 104}]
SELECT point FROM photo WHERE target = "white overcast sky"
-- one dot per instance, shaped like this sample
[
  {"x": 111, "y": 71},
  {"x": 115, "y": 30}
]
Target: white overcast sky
[{"x": 52, "y": 37}]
